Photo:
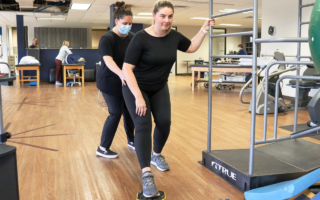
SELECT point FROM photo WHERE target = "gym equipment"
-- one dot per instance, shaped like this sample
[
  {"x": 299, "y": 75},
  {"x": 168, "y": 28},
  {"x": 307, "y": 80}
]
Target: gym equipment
[
  {"x": 162, "y": 196},
  {"x": 286, "y": 190},
  {"x": 305, "y": 86},
  {"x": 274, "y": 77},
  {"x": 281, "y": 158},
  {"x": 9, "y": 188},
  {"x": 314, "y": 37}
]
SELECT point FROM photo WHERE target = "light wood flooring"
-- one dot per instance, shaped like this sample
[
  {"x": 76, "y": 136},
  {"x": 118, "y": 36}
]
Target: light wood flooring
[{"x": 57, "y": 131}]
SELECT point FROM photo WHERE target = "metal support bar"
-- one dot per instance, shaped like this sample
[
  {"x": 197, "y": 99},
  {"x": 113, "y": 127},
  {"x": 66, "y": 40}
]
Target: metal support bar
[
  {"x": 298, "y": 70},
  {"x": 210, "y": 83},
  {"x": 1, "y": 118},
  {"x": 277, "y": 96},
  {"x": 262, "y": 55},
  {"x": 232, "y": 34},
  {"x": 306, "y": 5},
  {"x": 266, "y": 85},
  {"x": 254, "y": 87},
  {"x": 272, "y": 140},
  {"x": 232, "y": 13},
  {"x": 231, "y": 56},
  {"x": 303, "y": 23},
  {"x": 276, "y": 40},
  {"x": 306, "y": 133}
]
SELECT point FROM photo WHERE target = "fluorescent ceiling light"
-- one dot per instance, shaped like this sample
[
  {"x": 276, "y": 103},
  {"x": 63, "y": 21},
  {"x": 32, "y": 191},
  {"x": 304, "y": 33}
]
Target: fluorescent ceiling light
[
  {"x": 202, "y": 18},
  {"x": 136, "y": 17},
  {"x": 230, "y": 24},
  {"x": 80, "y": 6},
  {"x": 144, "y": 14},
  {"x": 51, "y": 18}
]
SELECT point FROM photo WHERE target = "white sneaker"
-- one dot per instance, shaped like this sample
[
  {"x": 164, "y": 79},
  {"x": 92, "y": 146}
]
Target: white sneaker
[{"x": 58, "y": 84}]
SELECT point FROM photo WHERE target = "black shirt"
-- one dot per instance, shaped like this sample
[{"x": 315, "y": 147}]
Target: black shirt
[
  {"x": 112, "y": 45},
  {"x": 153, "y": 58}
]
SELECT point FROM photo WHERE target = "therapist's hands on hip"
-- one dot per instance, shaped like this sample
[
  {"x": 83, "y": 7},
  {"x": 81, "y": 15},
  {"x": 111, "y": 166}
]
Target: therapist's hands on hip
[{"x": 141, "y": 107}]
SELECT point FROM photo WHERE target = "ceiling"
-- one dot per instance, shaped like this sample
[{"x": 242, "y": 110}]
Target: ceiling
[{"x": 99, "y": 12}]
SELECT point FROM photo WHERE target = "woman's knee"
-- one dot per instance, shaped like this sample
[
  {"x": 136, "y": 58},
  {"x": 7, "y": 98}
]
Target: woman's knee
[{"x": 163, "y": 124}]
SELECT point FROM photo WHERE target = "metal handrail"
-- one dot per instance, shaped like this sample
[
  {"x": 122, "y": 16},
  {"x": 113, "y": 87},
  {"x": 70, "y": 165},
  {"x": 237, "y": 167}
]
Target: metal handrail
[
  {"x": 232, "y": 34},
  {"x": 307, "y": 5},
  {"x": 231, "y": 56},
  {"x": 265, "y": 121},
  {"x": 277, "y": 97},
  {"x": 276, "y": 40}
]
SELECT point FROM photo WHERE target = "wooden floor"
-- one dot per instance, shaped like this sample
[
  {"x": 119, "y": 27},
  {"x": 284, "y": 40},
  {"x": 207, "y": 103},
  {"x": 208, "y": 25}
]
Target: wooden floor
[{"x": 57, "y": 131}]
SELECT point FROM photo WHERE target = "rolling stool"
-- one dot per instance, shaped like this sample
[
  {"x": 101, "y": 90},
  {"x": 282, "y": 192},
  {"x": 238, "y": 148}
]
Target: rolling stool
[{"x": 75, "y": 73}]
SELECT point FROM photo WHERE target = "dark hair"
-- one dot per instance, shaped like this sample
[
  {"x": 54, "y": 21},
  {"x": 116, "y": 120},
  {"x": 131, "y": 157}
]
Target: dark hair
[
  {"x": 161, "y": 4},
  {"x": 241, "y": 46},
  {"x": 122, "y": 9}
]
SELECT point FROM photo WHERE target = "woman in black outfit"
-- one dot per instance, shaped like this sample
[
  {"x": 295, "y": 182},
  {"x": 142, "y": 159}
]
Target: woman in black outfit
[
  {"x": 112, "y": 47},
  {"x": 146, "y": 68}
]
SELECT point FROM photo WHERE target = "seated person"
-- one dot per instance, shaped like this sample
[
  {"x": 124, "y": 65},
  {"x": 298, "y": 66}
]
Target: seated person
[
  {"x": 242, "y": 51},
  {"x": 34, "y": 44},
  {"x": 74, "y": 59}
]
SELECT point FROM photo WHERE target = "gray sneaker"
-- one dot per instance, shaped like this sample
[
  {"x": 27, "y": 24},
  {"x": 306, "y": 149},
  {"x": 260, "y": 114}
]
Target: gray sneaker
[
  {"x": 160, "y": 162},
  {"x": 149, "y": 187}
]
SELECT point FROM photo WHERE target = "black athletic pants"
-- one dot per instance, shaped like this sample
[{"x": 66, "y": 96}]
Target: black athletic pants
[
  {"x": 116, "y": 107},
  {"x": 159, "y": 105}
]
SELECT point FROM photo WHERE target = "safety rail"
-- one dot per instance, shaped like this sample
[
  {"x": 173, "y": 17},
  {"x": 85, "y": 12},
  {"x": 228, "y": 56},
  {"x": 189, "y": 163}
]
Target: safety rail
[
  {"x": 266, "y": 85},
  {"x": 232, "y": 34},
  {"x": 232, "y": 13},
  {"x": 277, "y": 97},
  {"x": 303, "y": 23},
  {"x": 281, "y": 40},
  {"x": 231, "y": 56},
  {"x": 306, "y": 5},
  {"x": 256, "y": 41}
]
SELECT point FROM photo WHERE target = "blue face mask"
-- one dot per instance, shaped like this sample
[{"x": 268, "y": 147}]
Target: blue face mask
[{"x": 124, "y": 29}]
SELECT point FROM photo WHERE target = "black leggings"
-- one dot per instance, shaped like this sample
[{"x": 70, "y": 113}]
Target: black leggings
[
  {"x": 158, "y": 103},
  {"x": 116, "y": 107}
]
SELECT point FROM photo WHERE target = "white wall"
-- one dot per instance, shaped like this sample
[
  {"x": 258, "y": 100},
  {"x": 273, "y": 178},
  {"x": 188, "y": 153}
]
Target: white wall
[{"x": 286, "y": 23}]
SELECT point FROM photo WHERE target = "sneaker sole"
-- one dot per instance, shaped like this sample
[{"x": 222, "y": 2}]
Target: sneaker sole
[
  {"x": 155, "y": 164},
  {"x": 155, "y": 195},
  {"x": 105, "y": 156},
  {"x": 131, "y": 147}
]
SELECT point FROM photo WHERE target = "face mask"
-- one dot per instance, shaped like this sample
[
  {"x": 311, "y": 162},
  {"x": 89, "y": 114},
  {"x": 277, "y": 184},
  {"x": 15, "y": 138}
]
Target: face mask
[{"x": 124, "y": 29}]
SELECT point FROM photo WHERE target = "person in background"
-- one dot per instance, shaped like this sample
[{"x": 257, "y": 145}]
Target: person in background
[
  {"x": 64, "y": 51},
  {"x": 242, "y": 51},
  {"x": 110, "y": 79},
  {"x": 34, "y": 44}
]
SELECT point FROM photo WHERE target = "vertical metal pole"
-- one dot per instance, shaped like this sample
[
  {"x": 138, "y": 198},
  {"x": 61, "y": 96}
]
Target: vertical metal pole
[
  {"x": 298, "y": 70},
  {"x": 1, "y": 118},
  {"x": 210, "y": 81},
  {"x": 254, "y": 85},
  {"x": 266, "y": 88}
]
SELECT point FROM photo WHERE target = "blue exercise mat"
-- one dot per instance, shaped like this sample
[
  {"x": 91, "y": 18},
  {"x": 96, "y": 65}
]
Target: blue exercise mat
[
  {"x": 33, "y": 83},
  {"x": 284, "y": 190},
  {"x": 317, "y": 197}
]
